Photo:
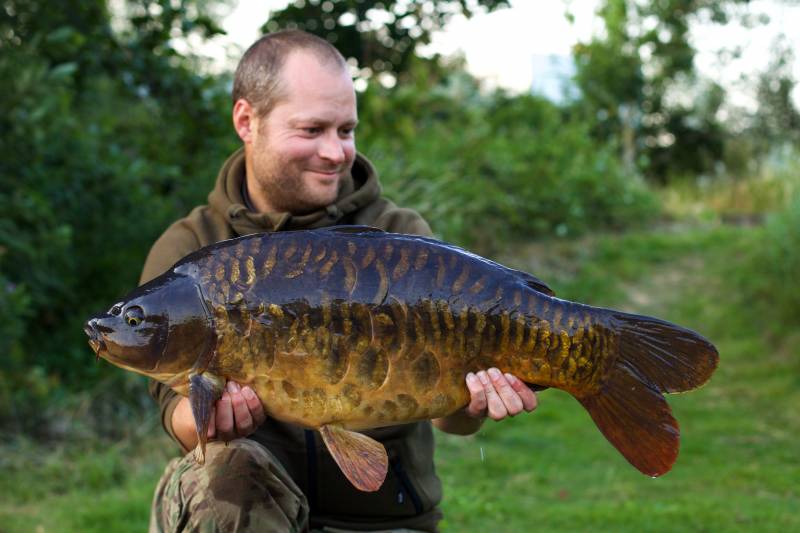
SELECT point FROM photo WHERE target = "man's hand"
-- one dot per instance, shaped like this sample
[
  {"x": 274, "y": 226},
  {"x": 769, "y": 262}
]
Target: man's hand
[
  {"x": 498, "y": 395},
  {"x": 236, "y": 414},
  {"x": 492, "y": 394}
]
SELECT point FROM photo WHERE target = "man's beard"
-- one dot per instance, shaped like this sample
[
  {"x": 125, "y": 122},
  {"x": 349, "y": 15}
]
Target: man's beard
[{"x": 281, "y": 183}]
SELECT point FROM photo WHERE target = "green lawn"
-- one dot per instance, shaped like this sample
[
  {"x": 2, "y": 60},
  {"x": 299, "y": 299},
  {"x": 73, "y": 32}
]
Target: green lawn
[
  {"x": 739, "y": 467},
  {"x": 83, "y": 487}
]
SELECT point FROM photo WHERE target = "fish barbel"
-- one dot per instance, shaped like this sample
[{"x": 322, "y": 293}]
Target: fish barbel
[{"x": 349, "y": 328}]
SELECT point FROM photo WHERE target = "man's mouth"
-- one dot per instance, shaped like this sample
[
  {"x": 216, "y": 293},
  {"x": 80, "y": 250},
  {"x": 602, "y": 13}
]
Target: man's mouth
[
  {"x": 326, "y": 169},
  {"x": 328, "y": 173}
]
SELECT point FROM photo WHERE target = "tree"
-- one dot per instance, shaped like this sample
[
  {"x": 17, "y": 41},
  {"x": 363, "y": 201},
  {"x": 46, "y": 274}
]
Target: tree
[
  {"x": 627, "y": 76},
  {"x": 105, "y": 137},
  {"x": 381, "y": 35},
  {"x": 778, "y": 119}
]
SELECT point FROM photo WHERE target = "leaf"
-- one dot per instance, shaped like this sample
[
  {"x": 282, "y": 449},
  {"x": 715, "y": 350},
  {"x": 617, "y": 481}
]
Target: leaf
[{"x": 63, "y": 71}]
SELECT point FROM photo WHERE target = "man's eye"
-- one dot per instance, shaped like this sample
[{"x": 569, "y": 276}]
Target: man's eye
[{"x": 312, "y": 131}]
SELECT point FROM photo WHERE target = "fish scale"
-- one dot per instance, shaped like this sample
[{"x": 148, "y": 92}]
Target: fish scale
[{"x": 350, "y": 328}]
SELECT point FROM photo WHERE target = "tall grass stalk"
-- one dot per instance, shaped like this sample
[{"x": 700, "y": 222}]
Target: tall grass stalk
[{"x": 737, "y": 199}]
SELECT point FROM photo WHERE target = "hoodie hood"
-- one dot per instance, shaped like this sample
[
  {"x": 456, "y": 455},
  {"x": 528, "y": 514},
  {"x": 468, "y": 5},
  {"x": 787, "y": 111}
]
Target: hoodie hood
[{"x": 358, "y": 189}]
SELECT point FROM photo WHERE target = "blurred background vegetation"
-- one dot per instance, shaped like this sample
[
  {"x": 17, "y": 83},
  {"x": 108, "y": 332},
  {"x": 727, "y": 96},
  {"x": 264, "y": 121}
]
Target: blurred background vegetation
[{"x": 108, "y": 133}]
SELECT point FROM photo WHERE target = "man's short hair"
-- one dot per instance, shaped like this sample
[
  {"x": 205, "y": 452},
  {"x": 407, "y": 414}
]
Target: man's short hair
[{"x": 257, "y": 78}]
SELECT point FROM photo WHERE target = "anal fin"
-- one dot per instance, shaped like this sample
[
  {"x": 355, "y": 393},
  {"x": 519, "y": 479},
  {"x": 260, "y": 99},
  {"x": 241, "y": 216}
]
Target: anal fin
[
  {"x": 363, "y": 460},
  {"x": 204, "y": 391}
]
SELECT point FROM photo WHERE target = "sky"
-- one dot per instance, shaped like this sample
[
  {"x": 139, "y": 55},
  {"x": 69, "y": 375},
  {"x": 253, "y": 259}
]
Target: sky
[{"x": 511, "y": 47}]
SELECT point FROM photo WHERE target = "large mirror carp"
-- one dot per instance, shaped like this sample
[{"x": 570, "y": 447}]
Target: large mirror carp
[{"x": 349, "y": 328}]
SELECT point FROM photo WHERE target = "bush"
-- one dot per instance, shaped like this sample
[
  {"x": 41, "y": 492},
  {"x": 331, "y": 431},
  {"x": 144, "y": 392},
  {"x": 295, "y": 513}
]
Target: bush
[
  {"x": 488, "y": 169},
  {"x": 93, "y": 166},
  {"x": 773, "y": 274},
  {"x": 769, "y": 272}
]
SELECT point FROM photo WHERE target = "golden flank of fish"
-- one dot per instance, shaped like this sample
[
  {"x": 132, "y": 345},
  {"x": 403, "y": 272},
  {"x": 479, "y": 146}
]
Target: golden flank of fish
[{"x": 350, "y": 328}]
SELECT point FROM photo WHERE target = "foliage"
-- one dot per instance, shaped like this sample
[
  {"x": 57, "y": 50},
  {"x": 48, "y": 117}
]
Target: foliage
[
  {"x": 638, "y": 85},
  {"x": 780, "y": 260},
  {"x": 769, "y": 279},
  {"x": 486, "y": 169},
  {"x": 381, "y": 35},
  {"x": 734, "y": 198},
  {"x": 778, "y": 119},
  {"x": 97, "y": 156}
]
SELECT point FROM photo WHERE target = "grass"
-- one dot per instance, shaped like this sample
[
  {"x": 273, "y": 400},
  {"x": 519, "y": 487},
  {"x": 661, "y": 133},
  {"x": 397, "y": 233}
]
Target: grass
[
  {"x": 86, "y": 486},
  {"x": 552, "y": 470},
  {"x": 739, "y": 200},
  {"x": 738, "y": 466}
]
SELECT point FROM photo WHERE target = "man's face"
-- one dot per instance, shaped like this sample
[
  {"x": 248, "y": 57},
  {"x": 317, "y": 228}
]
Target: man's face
[{"x": 302, "y": 148}]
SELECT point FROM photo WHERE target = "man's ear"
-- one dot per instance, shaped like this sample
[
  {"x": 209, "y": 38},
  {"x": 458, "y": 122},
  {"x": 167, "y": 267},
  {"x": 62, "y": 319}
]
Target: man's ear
[{"x": 244, "y": 120}]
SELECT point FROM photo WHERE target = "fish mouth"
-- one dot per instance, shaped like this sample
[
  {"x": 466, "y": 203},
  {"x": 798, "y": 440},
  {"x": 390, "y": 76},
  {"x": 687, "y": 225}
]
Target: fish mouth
[{"x": 95, "y": 340}]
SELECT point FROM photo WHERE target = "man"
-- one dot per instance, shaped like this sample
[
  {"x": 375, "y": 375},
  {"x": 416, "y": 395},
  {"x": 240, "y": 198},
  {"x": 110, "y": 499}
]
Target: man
[{"x": 295, "y": 111}]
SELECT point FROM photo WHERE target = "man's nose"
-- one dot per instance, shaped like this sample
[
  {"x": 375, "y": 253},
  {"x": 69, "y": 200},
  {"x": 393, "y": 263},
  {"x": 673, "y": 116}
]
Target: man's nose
[{"x": 332, "y": 149}]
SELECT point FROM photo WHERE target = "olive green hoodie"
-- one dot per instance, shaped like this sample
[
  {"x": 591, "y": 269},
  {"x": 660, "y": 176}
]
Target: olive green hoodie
[{"x": 412, "y": 491}]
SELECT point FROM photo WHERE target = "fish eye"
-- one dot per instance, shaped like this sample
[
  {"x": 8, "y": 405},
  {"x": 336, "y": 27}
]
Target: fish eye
[{"x": 134, "y": 316}]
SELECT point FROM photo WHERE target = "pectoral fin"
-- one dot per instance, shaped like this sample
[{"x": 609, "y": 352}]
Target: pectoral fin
[
  {"x": 363, "y": 460},
  {"x": 204, "y": 390}
]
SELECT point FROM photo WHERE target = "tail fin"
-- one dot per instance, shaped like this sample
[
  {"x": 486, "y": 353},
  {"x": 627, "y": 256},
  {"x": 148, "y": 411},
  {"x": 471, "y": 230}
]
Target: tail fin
[{"x": 654, "y": 357}]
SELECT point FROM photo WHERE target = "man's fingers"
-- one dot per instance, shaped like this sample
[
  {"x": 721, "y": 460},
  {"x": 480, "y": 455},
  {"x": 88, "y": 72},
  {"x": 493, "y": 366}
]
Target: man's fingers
[
  {"x": 224, "y": 418},
  {"x": 509, "y": 396},
  {"x": 528, "y": 397},
  {"x": 497, "y": 409},
  {"x": 212, "y": 426},
  {"x": 241, "y": 412},
  {"x": 254, "y": 404},
  {"x": 477, "y": 404}
]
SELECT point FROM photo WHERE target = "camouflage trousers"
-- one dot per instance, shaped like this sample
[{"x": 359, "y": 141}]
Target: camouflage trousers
[{"x": 242, "y": 487}]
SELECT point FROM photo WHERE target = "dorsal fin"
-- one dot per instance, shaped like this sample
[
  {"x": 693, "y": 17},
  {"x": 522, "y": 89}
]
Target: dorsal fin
[
  {"x": 532, "y": 281},
  {"x": 352, "y": 229}
]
